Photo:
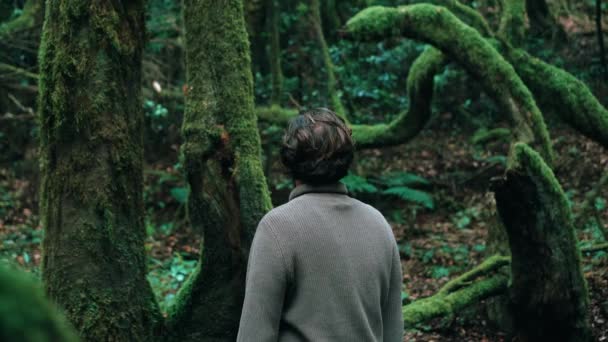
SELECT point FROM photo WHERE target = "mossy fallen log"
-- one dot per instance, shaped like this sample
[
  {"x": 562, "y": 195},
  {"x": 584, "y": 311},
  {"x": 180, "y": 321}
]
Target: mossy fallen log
[{"x": 459, "y": 293}]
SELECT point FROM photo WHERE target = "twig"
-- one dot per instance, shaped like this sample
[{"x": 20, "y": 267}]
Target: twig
[
  {"x": 19, "y": 104},
  {"x": 17, "y": 71},
  {"x": 16, "y": 117},
  {"x": 595, "y": 248}
]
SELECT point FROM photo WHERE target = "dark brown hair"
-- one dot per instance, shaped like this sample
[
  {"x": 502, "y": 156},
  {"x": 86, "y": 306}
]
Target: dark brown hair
[{"x": 317, "y": 147}]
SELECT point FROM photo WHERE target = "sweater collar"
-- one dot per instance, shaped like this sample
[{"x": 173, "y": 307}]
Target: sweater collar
[{"x": 333, "y": 188}]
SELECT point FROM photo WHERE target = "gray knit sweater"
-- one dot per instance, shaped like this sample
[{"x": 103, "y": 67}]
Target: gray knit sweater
[{"x": 323, "y": 267}]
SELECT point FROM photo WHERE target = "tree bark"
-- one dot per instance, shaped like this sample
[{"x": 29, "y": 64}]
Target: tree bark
[
  {"x": 90, "y": 114},
  {"x": 221, "y": 151},
  {"x": 548, "y": 294}
]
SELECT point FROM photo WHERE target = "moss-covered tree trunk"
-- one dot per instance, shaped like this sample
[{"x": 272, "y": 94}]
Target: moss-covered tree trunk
[
  {"x": 91, "y": 117},
  {"x": 221, "y": 151},
  {"x": 548, "y": 294}
]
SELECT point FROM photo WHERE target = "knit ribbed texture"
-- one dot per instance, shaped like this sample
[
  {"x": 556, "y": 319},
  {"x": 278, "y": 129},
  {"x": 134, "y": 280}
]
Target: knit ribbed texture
[{"x": 323, "y": 267}]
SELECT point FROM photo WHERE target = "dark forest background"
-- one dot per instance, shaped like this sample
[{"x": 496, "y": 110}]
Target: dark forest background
[{"x": 433, "y": 187}]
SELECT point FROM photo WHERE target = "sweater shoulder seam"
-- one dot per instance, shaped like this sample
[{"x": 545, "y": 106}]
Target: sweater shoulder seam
[{"x": 281, "y": 251}]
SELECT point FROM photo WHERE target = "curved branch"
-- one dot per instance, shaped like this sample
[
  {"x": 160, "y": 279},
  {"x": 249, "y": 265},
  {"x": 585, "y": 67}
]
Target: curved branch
[
  {"x": 459, "y": 293},
  {"x": 437, "y": 26},
  {"x": 465, "y": 13},
  {"x": 409, "y": 123},
  {"x": 558, "y": 91}
]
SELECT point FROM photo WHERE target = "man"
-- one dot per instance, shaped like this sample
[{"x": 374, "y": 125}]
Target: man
[{"x": 324, "y": 266}]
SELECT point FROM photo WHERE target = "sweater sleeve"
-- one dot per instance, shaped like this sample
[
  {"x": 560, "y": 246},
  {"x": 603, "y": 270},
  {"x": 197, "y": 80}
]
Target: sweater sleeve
[
  {"x": 264, "y": 290},
  {"x": 392, "y": 315}
]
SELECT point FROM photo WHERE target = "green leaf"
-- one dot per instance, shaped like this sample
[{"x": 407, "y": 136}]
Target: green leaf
[
  {"x": 440, "y": 272},
  {"x": 180, "y": 194},
  {"x": 393, "y": 179},
  {"x": 600, "y": 204},
  {"x": 356, "y": 183},
  {"x": 411, "y": 195}
]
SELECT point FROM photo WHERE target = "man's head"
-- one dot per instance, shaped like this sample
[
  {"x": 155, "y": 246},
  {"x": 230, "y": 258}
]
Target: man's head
[{"x": 317, "y": 147}]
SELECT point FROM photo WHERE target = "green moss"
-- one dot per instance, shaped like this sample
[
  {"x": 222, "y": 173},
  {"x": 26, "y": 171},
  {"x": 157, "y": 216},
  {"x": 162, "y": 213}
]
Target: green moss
[
  {"x": 25, "y": 315},
  {"x": 91, "y": 118},
  {"x": 484, "y": 136},
  {"x": 548, "y": 292},
  {"x": 437, "y": 26},
  {"x": 409, "y": 123},
  {"x": 221, "y": 154},
  {"x": 513, "y": 21},
  {"x": 465, "y": 13},
  {"x": 560, "y": 92},
  {"x": 459, "y": 293}
]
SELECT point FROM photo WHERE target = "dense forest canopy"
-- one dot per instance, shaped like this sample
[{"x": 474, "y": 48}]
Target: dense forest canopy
[{"x": 139, "y": 150}]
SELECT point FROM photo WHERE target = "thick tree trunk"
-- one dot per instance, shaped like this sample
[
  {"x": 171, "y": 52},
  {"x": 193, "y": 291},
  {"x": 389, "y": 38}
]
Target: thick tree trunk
[
  {"x": 90, "y": 113},
  {"x": 221, "y": 150},
  {"x": 548, "y": 293}
]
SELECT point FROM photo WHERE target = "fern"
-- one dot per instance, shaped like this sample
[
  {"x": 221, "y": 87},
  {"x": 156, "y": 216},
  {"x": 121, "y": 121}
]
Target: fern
[
  {"x": 406, "y": 179},
  {"x": 412, "y": 195},
  {"x": 359, "y": 184}
]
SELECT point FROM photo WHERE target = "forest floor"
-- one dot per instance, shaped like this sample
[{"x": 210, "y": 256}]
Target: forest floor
[{"x": 436, "y": 244}]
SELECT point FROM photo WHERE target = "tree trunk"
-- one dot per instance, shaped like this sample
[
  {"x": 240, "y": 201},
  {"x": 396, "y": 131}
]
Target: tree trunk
[
  {"x": 600, "y": 38},
  {"x": 548, "y": 294},
  {"x": 543, "y": 21},
  {"x": 90, "y": 113},
  {"x": 513, "y": 21},
  {"x": 276, "y": 71},
  {"x": 221, "y": 151},
  {"x": 332, "y": 83}
]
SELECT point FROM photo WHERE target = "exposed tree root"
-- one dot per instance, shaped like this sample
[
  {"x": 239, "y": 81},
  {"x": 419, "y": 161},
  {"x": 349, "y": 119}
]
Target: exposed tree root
[{"x": 459, "y": 293}]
